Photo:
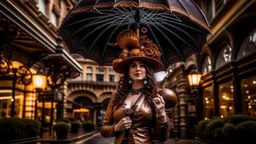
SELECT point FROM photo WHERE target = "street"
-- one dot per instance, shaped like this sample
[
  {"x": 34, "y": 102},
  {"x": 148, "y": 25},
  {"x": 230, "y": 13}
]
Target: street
[{"x": 98, "y": 139}]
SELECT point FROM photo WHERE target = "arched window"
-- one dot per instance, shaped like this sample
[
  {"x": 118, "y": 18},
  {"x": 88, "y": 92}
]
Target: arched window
[
  {"x": 207, "y": 65},
  {"x": 224, "y": 56},
  {"x": 111, "y": 75},
  {"x": 248, "y": 46}
]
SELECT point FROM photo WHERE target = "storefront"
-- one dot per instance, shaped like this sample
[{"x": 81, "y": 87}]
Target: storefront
[
  {"x": 230, "y": 89},
  {"x": 227, "y": 64},
  {"x": 29, "y": 44}
]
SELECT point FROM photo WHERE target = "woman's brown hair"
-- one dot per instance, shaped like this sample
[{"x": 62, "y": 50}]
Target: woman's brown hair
[{"x": 150, "y": 90}]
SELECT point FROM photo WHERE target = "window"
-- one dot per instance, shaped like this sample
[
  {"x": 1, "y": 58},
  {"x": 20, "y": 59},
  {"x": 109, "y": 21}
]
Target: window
[
  {"x": 54, "y": 19},
  {"x": 111, "y": 75},
  {"x": 248, "y": 92},
  {"x": 6, "y": 103},
  {"x": 112, "y": 78},
  {"x": 100, "y": 77},
  {"x": 207, "y": 65},
  {"x": 100, "y": 74},
  {"x": 226, "y": 99},
  {"x": 41, "y": 6},
  {"x": 89, "y": 74},
  {"x": 224, "y": 56},
  {"x": 208, "y": 102},
  {"x": 248, "y": 46}
]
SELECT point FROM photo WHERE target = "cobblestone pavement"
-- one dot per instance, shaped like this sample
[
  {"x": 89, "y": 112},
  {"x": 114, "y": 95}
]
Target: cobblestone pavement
[{"x": 98, "y": 139}]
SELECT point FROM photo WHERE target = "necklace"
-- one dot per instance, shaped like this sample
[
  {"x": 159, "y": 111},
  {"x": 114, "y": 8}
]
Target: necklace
[{"x": 136, "y": 91}]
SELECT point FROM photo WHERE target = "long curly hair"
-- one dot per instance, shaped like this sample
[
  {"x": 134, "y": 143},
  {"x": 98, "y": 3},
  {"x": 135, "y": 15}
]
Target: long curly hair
[{"x": 123, "y": 88}]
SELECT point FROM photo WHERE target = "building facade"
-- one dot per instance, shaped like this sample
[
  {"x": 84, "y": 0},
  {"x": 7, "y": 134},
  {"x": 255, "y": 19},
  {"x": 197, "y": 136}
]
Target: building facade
[
  {"x": 227, "y": 65},
  {"x": 89, "y": 94},
  {"x": 29, "y": 44}
]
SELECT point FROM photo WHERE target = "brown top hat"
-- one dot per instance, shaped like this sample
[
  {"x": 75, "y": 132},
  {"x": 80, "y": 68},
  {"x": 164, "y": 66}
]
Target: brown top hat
[{"x": 137, "y": 48}]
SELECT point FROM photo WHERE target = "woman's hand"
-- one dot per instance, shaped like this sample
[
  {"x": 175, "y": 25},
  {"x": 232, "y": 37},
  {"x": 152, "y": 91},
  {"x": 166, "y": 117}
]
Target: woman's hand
[
  {"x": 159, "y": 104},
  {"x": 124, "y": 124}
]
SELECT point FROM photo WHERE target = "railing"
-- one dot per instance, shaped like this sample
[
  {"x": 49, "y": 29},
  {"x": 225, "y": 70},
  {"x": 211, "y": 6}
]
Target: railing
[{"x": 19, "y": 138}]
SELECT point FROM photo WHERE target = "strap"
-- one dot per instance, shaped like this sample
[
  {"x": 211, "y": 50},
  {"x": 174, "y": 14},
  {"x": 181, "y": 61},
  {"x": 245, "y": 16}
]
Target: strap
[{"x": 139, "y": 98}]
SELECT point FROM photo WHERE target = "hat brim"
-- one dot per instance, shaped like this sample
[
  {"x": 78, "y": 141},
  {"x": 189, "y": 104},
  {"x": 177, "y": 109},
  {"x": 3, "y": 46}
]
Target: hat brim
[{"x": 156, "y": 65}]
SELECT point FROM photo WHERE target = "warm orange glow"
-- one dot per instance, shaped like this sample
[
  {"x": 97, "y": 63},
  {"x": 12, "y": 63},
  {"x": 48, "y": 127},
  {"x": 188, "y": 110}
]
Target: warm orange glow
[
  {"x": 194, "y": 79},
  {"x": 16, "y": 64},
  {"x": 81, "y": 110},
  {"x": 39, "y": 81}
]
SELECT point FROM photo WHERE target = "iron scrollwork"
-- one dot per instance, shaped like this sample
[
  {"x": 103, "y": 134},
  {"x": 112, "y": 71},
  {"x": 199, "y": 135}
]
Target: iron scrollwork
[
  {"x": 57, "y": 75},
  {"x": 5, "y": 66},
  {"x": 24, "y": 75},
  {"x": 57, "y": 69}
]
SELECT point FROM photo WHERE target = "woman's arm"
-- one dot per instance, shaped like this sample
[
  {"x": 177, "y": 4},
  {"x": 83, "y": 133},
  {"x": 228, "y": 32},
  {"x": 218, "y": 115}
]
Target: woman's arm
[
  {"x": 162, "y": 128},
  {"x": 162, "y": 123},
  {"x": 107, "y": 128}
]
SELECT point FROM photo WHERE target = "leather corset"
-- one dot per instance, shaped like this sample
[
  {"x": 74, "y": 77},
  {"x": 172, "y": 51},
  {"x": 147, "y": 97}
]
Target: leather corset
[{"x": 142, "y": 122}]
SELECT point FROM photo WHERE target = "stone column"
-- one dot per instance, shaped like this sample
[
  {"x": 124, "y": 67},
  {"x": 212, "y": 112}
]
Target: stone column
[
  {"x": 94, "y": 73},
  {"x": 97, "y": 113},
  {"x": 29, "y": 100},
  {"x": 181, "y": 91},
  {"x": 176, "y": 121},
  {"x": 60, "y": 106}
]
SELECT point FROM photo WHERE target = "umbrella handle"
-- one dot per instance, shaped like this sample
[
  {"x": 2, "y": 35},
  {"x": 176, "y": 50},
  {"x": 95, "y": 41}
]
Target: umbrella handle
[{"x": 138, "y": 32}]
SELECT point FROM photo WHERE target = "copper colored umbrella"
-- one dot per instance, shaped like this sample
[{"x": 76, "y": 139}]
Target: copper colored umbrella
[{"x": 177, "y": 27}]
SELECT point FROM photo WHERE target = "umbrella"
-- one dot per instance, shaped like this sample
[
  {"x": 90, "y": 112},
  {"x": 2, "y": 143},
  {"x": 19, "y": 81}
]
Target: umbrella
[{"x": 178, "y": 27}]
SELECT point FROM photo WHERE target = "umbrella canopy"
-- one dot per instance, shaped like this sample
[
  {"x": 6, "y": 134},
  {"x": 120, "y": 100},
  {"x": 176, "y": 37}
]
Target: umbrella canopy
[{"x": 177, "y": 27}]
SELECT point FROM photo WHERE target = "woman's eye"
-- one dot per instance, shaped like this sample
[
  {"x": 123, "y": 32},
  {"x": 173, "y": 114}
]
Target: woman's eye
[
  {"x": 137, "y": 65},
  {"x": 133, "y": 65},
  {"x": 142, "y": 65}
]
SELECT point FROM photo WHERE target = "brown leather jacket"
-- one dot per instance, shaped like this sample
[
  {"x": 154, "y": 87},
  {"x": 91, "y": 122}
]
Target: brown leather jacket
[{"x": 141, "y": 131}]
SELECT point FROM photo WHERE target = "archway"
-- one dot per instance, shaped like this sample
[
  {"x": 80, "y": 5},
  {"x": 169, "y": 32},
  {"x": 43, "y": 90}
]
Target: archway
[
  {"x": 104, "y": 104},
  {"x": 83, "y": 108}
]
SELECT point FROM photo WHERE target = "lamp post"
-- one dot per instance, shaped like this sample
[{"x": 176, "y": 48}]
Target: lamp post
[
  {"x": 39, "y": 82},
  {"x": 14, "y": 66},
  {"x": 194, "y": 78}
]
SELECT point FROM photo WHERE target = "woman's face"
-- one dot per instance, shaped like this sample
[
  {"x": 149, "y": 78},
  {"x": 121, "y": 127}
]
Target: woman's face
[{"x": 137, "y": 71}]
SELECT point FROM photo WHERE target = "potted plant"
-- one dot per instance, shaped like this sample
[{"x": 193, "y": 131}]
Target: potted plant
[
  {"x": 62, "y": 129},
  {"x": 228, "y": 130},
  {"x": 17, "y": 130},
  {"x": 75, "y": 126},
  {"x": 88, "y": 126}
]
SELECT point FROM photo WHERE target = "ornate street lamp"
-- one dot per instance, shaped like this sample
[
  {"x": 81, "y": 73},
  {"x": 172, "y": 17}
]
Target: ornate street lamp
[
  {"x": 39, "y": 82},
  {"x": 15, "y": 65},
  {"x": 194, "y": 78}
]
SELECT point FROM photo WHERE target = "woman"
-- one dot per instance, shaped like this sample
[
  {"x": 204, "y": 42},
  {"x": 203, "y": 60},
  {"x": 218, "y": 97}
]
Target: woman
[{"x": 136, "y": 112}]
